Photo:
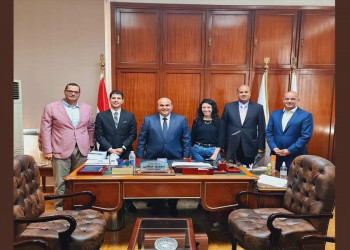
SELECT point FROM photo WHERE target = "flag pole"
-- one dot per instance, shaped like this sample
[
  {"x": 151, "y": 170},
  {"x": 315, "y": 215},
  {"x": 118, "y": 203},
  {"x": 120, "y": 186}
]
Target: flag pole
[
  {"x": 266, "y": 72},
  {"x": 292, "y": 68}
]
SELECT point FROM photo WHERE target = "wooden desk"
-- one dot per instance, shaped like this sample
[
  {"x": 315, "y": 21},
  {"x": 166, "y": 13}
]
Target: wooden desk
[
  {"x": 270, "y": 201},
  {"x": 217, "y": 192}
]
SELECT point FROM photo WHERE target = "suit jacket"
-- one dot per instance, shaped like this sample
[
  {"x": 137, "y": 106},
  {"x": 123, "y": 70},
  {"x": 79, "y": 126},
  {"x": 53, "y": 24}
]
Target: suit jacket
[
  {"x": 251, "y": 134},
  {"x": 58, "y": 135},
  {"x": 108, "y": 136},
  {"x": 152, "y": 144},
  {"x": 296, "y": 135}
]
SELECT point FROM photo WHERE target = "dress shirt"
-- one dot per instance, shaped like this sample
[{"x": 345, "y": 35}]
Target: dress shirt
[
  {"x": 241, "y": 114},
  {"x": 286, "y": 117},
  {"x": 73, "y": 112},
  {"x": 161, "y": 120}
]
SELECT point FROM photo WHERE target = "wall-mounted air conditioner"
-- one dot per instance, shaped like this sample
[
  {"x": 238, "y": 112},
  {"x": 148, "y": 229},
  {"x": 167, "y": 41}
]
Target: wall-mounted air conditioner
[{"x": 17, "y": 118}]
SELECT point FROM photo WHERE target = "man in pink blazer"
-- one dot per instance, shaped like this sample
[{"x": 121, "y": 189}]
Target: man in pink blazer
[{"x": 67, "y": 136}]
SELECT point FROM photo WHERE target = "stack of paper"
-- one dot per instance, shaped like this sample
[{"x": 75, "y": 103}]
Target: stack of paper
[
  {"x": 272, "y": 181},
  {"x": 191, "y": 164},
  {"x": 97, "y": 162},
  {"x": 97, "y": 155}
]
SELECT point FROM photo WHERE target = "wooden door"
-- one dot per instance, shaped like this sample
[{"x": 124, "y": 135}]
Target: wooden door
[
  {"x": 275, "y": 37},
  {"x": 183, "y": 38},
  {"x": 278, "y": 81},
  {"x": 317, "y": 40},
  {"x": 184, "y": 88},
  {"x": 317, "y": 93},
  {"x": 228, "y": 39},
  {"x": 221, "y": 86},
  {"x": 137, "y": 33}
]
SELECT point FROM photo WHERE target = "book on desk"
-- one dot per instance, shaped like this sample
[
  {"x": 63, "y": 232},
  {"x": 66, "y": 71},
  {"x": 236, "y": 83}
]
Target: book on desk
[{"x": 92, "y": 170}]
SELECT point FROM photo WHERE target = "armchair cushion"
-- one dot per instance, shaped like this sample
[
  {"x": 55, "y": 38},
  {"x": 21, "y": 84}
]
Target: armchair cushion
[
  {"x": 87, "y": 235},
  {"x": 250, "y": 229}
]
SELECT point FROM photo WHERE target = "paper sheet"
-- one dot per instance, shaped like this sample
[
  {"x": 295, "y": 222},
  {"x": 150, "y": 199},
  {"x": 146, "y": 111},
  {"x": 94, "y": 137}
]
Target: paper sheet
[{"x": 273, "y": 181}]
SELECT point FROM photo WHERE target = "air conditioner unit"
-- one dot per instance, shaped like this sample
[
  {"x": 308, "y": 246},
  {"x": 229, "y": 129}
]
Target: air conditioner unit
[{"x": 17, "y": 118}]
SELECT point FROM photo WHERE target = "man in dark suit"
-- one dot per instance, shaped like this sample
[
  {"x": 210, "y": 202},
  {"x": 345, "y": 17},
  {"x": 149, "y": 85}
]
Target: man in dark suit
[
  {"x": 289, "y": 130},
  {"x": 115, "y": 131},
  {"x": 164, "y": 135},
  {"x": 243, "y": 127}
]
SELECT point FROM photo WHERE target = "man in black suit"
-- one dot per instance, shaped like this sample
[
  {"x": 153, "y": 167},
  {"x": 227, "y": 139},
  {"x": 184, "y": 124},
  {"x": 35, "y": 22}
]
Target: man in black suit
[
  {"x": 115, "y": 131},
  {"x": 243, "y": 127}
]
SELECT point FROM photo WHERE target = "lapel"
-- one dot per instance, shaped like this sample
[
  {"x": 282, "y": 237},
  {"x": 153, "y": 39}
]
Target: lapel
[
  {"x": 292, "y": 119},
  {"x": 63, "y": 111},
  {"x": 249, "y": 111},
  {"x": 121, "y": 118},
  {"x": 235, "y": 107},
  {"x": 171, "y": 124},
  {"x": 279, "y": 120},
  {"x": 157, "y": 124}
]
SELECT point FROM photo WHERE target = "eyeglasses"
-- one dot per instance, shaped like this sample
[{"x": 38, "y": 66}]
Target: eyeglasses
[
  {"x": 289, "y": 99},
  {"x": 71, "y": 92}
]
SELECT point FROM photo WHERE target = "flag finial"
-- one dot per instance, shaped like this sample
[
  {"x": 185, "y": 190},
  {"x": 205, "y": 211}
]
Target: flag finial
[
  {"x": 102, "y": 63},
  {"x": 294, "y": 64},
  {"x": 266, "y": 61}
]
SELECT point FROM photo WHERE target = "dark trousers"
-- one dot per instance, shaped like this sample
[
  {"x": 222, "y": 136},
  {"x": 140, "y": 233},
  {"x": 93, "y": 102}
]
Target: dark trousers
[{"x": 241, "y": 156}]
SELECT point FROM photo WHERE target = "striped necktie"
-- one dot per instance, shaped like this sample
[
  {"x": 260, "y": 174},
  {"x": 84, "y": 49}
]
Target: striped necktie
[{"x": 115, "y": 117}]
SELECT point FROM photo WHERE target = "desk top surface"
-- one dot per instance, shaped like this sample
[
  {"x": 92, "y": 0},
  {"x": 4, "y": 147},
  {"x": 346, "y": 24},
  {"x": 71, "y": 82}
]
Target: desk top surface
[{"x": 244, "y": 175}]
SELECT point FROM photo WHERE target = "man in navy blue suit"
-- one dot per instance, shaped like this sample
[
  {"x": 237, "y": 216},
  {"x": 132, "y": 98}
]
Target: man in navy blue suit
[
  {"x": 289, "y": 130},
  {"x": 164, "y": 135}
]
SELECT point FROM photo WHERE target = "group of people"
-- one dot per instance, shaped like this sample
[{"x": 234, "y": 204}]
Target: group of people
[{"x": 68, "y": 133}]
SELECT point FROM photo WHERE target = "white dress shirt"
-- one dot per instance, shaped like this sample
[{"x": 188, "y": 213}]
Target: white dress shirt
[
  {"x": 286, "y": 117},
  {"x": 243, "y": 111}
]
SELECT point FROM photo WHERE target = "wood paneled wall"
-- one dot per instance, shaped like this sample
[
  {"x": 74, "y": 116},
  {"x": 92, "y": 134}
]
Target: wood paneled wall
[{"x": 188, "y": 53}]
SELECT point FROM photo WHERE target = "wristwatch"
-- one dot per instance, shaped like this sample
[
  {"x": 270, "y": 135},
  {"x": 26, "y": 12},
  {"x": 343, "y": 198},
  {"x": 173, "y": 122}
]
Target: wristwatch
[{"x": 123, "y": 147}]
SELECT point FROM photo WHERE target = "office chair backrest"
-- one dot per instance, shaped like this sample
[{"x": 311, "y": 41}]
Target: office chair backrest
[
  {"x": 28, "y": 198},
  {"x": 311, "y": 188}
]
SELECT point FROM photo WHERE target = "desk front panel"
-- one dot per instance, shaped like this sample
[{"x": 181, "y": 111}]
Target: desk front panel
[
  {"x": 108, "y": 194},
  {"x": 222, "y": 195},
  {"x": 161, "y": 189}
]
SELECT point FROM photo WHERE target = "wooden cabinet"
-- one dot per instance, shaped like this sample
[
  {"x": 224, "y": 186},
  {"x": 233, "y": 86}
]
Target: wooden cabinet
[
  {"x": 141, "y": 91},
  {"x": 185, "y": 88},
  {"x": 274, "y": 36},
  {"x": 188, "y": 53},
  {"x": 136, "y": 38},
  {"x": 228, "y": 39},
  {"x": 183, "y": 38},
  {"x": 317, "y": 94},
  {"x": 221, "y": 86},
  {"x": 317, "y": 40}
]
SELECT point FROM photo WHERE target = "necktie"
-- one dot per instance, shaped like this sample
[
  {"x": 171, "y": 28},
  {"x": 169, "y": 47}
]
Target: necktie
[
  {"x": 115, "y": 117},
  {"x": 165, "y": 126},
  {"x": 243, "y": 114}
]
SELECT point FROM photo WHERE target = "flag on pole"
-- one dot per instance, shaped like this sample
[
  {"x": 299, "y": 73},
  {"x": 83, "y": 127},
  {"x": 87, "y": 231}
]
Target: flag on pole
[
  {"x": 263, "y": 97},
  {"x": 294, "y": 83},
  {"x": 264, "y": 101},
  {"x": 102, "y": 98}
]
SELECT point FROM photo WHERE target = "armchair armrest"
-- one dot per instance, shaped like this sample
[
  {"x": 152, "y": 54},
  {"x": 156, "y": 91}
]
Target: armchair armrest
[
  {"x": 37, "y": 242},
  {"x": 256, "y": 194},
  {"x": 276, "y": 232},
  {"x": 318, "y": 237},
  {"x": 64, "y": 236},
  {"x": 87, "y": 206}
]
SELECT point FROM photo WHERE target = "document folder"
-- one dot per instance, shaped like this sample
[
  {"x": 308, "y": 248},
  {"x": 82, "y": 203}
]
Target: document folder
[{"x": 92, "y": 170}]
